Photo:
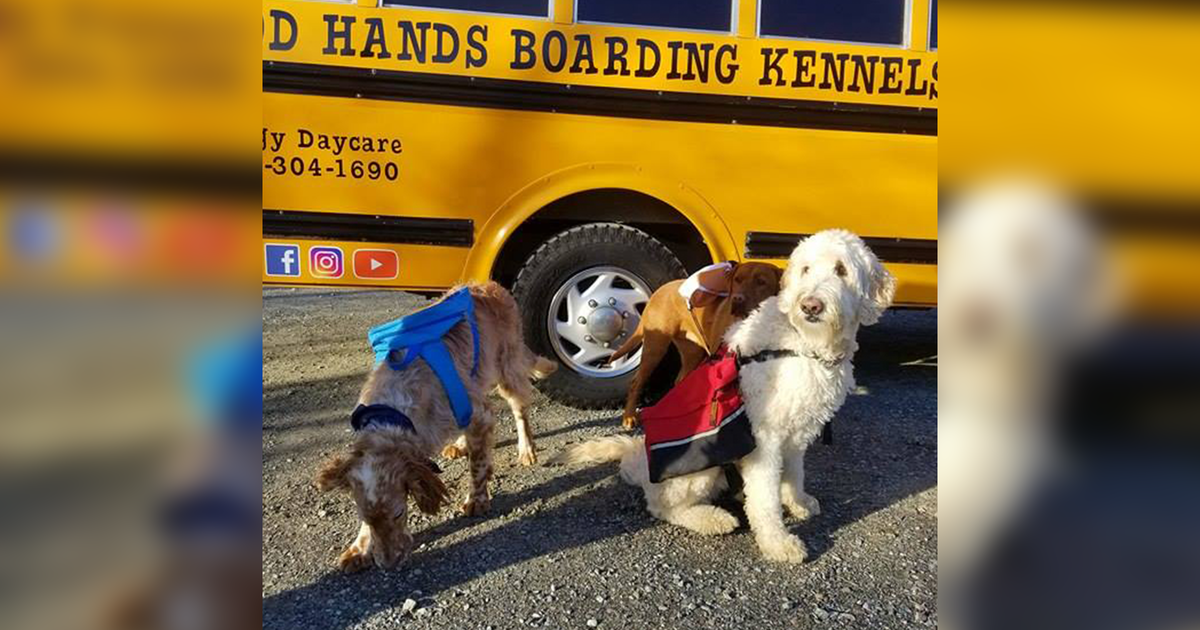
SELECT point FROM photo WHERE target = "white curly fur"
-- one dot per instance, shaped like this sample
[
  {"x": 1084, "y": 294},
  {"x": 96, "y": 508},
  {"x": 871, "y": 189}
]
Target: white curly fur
[{"x": 788, "y": 399}]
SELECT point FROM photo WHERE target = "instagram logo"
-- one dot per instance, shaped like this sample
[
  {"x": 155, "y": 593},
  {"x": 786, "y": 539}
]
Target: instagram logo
[{"x": 325, "y": 262}]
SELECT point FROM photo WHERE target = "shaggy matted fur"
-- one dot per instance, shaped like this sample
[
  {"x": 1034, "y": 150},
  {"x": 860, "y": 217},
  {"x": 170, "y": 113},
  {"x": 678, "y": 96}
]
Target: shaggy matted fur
[
  {"x": 832, "y": 285},
  {"x": 389, "y": 465}
]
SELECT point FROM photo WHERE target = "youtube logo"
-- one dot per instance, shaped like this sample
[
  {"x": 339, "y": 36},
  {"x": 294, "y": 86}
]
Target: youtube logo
[{"x": 376, "y": 264}]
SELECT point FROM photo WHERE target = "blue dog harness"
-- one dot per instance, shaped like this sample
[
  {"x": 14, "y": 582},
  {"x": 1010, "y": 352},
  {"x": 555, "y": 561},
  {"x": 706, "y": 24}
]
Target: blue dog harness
[{"x": 420, "y": 335}]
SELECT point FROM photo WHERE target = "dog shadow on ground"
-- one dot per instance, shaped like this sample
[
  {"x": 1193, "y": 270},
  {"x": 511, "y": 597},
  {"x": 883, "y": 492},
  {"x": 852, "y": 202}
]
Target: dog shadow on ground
[{"x": 441, "y": 568}]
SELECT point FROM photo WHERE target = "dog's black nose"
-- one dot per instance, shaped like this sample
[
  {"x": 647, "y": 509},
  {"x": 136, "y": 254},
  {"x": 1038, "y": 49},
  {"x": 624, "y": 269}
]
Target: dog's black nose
[{"x": 812, "y": 306}]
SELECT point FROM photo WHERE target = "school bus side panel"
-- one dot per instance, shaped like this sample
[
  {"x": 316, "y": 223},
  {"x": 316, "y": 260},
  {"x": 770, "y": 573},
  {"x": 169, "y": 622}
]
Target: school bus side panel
[{"x": 469, "y": 163}]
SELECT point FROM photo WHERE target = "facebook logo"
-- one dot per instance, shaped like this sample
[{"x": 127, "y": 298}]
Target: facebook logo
[{"x": 283, "y": 260}]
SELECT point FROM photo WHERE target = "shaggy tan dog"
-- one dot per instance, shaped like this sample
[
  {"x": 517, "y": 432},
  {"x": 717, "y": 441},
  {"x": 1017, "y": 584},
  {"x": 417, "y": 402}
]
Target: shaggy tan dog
[
  {"x": 667, "y": 321},
  {"x": 390, "y": 464}
]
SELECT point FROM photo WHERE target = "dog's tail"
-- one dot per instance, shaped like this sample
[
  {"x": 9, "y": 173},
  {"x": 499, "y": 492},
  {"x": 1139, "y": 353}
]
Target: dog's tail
[
  {"x": 605, "y": 449},
  {"x": 542, "y": 367},
  {"x": 630, "y": 344}
]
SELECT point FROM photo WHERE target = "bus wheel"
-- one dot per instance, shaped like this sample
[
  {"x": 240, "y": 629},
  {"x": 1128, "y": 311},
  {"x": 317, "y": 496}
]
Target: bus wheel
[{"x": 582, "y": 294}]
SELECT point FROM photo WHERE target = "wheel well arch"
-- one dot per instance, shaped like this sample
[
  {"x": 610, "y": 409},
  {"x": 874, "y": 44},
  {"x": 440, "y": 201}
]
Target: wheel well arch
[{"x": 618, "y": 205}]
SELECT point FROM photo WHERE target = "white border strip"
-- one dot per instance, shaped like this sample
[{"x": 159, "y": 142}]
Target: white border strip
[{"x": 740, "y": 410}]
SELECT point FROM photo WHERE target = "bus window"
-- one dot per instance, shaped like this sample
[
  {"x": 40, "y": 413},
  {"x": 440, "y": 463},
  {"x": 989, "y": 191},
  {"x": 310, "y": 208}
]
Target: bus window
[
  {"x": 856, "y": 21},
  {"x": 933, "y": 26},
  {"x": 702, "y": 15},
  {"x": 530, "y": 8}
]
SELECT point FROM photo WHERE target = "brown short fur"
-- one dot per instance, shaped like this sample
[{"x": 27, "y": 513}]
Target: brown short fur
[
  {"x": 667, "y": 321},
  {"x": 389, "y": 465}
]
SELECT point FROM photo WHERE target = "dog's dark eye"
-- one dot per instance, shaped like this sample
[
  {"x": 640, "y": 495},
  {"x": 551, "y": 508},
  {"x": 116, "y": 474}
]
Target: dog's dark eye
[
  {"x": 804, "y": 270},
  {"x": 840, "y": 269}
]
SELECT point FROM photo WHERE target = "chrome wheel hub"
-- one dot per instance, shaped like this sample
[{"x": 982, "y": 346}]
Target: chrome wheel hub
[
  {"x": 605, "y": 324},
  {"x": 592, "y": 314}
]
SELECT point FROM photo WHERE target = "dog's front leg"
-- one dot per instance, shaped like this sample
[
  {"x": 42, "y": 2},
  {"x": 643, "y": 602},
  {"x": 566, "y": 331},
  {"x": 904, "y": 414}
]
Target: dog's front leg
[
  {"x": 801, "y": 504},
  {"x": 761, "y": 472},
  {"x": 357, "y": 556},
  {"x": 480, "y": 438}
]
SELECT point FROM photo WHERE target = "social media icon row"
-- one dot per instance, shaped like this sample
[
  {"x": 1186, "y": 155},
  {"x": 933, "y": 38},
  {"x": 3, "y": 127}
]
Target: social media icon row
[{"x": 327, "y": 261}]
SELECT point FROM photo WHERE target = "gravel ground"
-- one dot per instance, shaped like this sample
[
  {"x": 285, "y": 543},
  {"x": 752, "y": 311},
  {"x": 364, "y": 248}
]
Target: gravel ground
[{"x": 568, "y": 547}]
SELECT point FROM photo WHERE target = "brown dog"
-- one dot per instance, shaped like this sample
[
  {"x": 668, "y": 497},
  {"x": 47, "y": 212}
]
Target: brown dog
[
  {"x": 667, "y": 320},
  {"x": 390, "y": 463}
]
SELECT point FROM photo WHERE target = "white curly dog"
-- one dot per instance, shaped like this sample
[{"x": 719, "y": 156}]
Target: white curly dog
[{"x": 832, "y": 285}]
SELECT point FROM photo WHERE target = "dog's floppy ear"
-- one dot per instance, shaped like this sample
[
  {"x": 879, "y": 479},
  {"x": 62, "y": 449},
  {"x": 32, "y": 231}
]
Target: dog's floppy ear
[
  {"x": 333, "y": 474},
  {"x": 879, "y": 290},
  {"x": 424, "y": 485},
  {"x": 779, "y": 276},
  {"x": 713, "y": 283}
]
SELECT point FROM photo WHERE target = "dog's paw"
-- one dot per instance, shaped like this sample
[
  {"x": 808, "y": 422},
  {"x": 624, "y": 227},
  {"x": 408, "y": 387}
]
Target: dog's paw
[
  {"x": 354, "y": 559},
  {"x": 804, "y": 507},
  {"x": 527, "y": 457},
  {"x": 716, "y": 522},
  {"x": 784, "y": 549},
  {"x": 453, "y": 451},
  {"x": 630, "y": 421},
  {"x": 476, "y": 507}
]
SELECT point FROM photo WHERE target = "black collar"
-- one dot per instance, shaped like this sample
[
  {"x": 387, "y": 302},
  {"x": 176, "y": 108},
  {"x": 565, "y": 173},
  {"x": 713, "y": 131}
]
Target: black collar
[
  {"x": 381, "y": 415},
  {"x": 767, "y": 355}
]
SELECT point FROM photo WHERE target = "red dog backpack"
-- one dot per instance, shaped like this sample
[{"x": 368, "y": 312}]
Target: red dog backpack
[{"x": 701, "y": 423}]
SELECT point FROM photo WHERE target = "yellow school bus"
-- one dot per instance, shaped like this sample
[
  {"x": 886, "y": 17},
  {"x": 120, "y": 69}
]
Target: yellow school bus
[{"x": 584, "y": 152}]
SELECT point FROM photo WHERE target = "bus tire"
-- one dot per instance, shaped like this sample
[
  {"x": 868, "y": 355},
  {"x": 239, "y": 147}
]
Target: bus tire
[{"x": 606, "y": 251}]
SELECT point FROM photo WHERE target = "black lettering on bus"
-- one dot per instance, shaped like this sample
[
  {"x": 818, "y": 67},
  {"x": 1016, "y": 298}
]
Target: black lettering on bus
[
  {"x": 476, "y": 36},
  {"x": 771, "y": 66},
  {"x": 583, "y": 52},
  {"x": 557, "y": 36},
  {"x": 862, "y": 77},
  {"x": 278, "y": 18},
  {"x": 805, "y": 60},
  {"x": 524, "y": 57},
  {"x": 891, "y": 75},
  {"x": 674, "y": 46},
  {"x": 616, "y": 54},
  {"x": 731, "y": 67},
  {"x": 644, "y": 46},
  {"x": 408, "y": 35},
  {"x": 441, "y": 56},
  {"x": 933, "y": 94},
  {"x": 835, "y": 74},
  {"x": 375, "y": 38},
  {"x": 701, "y": 62},
  {"x": 334, "y": 34},
  {"x": 306, "y": 138},
  {"x": 913, "y": 90}
]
